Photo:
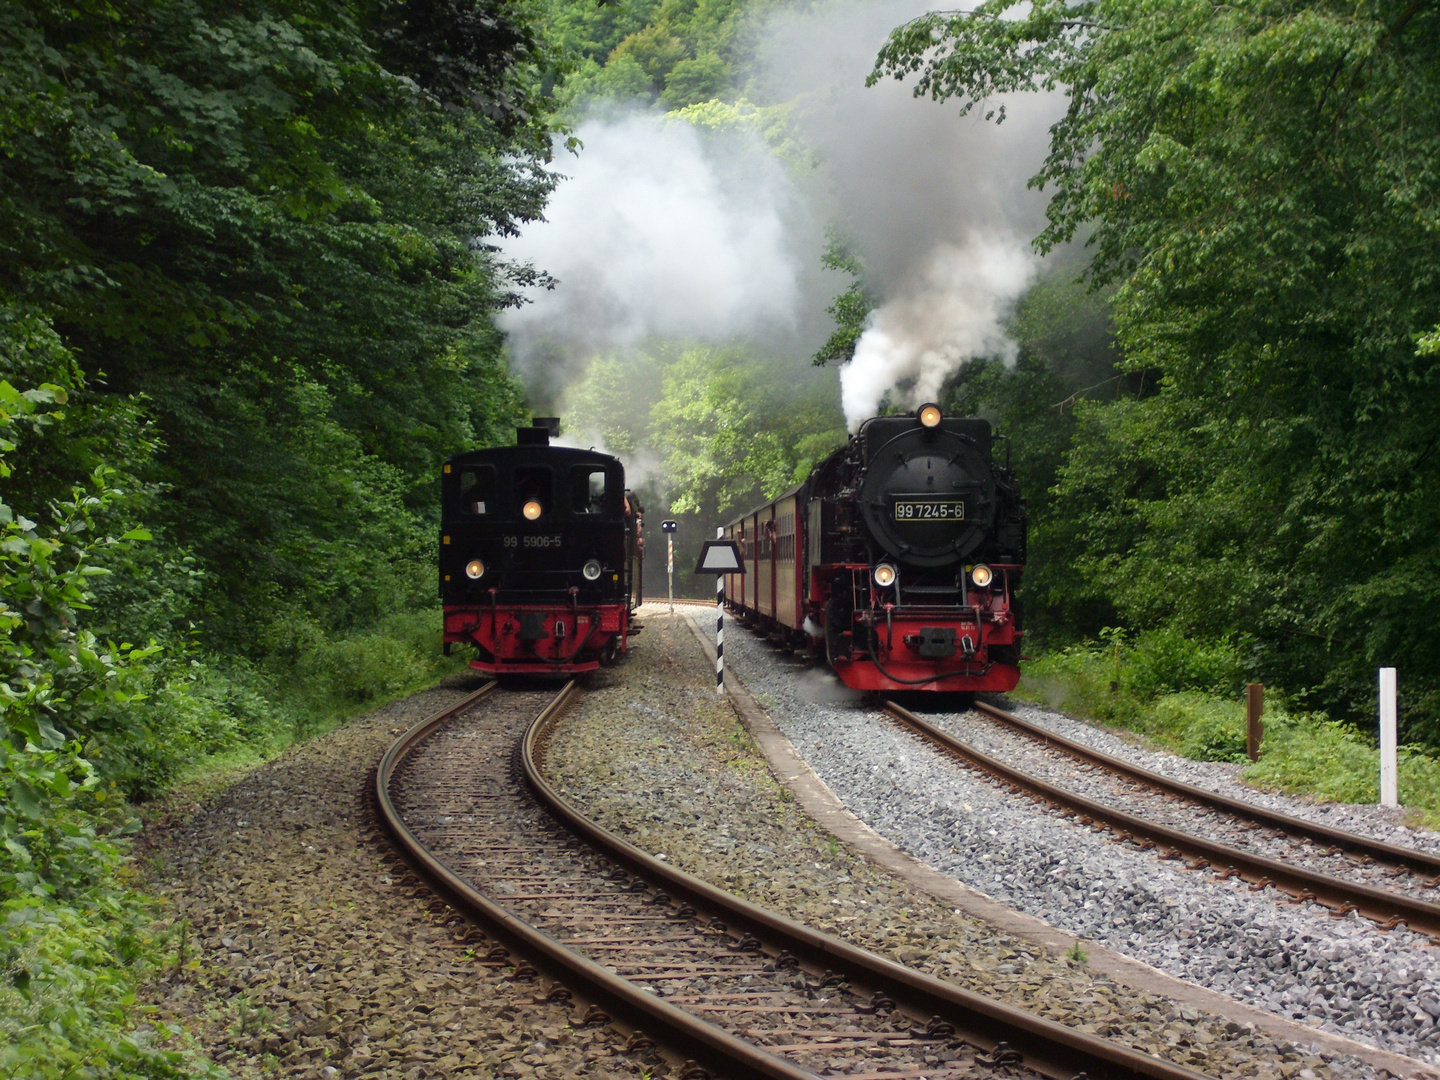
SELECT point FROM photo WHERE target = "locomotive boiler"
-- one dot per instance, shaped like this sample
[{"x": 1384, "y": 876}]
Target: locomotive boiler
[
  {"x": 899, "y": 556},
  {"x": 540, "y": 555}
]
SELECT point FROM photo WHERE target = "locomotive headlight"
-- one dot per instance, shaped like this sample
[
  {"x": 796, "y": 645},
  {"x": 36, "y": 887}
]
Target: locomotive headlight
[
  {"x": 474, "y": 569},
  {"x": 591, "y": 570},
  {"x": 531, "y": 510},
  {"x": 930, "y": 416},
  {"x": 884, "y": 575},
  {"x": 982, "y": 575}
]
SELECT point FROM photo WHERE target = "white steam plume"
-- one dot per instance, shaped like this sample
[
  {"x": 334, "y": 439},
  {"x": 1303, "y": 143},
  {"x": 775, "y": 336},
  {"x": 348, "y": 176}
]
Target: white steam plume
[
  {"x": 641, "y": 465},
  {"x": 952, "y": 312},
  {"x": 936, "y": 203},
  {"x": 659, "y": 230}
]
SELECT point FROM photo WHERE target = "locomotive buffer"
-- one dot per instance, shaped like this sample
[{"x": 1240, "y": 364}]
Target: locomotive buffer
[{"x": 720, "y": 557}]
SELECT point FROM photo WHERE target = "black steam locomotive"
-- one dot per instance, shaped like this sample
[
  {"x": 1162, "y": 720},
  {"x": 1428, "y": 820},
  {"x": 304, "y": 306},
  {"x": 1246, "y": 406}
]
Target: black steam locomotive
[
  {"x": 900, "y": 555},
  {"x": 540, "y": 555}
]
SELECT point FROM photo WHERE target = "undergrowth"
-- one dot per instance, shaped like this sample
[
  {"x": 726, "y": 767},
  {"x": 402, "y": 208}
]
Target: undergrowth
[
  {"x": 319, "y": 681},
  {"x": 1190, "y": 701}
]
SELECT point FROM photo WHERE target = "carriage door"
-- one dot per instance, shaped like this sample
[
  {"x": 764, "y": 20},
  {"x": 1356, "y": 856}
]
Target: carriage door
[{"x": 786, "y": 575}]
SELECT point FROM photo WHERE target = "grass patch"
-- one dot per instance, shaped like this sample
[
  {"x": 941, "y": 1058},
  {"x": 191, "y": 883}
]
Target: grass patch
[
  {"x": 319, "y": 687},
  {"x": 1121, "y": 685},
  {"x": 308, "y": 690}
]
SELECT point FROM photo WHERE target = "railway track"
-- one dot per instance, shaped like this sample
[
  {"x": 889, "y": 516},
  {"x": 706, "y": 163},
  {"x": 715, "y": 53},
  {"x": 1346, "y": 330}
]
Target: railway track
[
  {"x": 1343, "y": 871},
  {"x": 737, "y": 989},
  {"x": 1340, "y": 870}
]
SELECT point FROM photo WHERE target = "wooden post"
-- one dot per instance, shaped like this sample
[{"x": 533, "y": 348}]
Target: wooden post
[{"x": 1254, "y": 709}]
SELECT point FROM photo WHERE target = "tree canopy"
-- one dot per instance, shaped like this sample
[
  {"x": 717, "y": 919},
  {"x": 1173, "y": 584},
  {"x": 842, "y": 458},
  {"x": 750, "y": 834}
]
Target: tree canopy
[{"x": 269, "y": 223}]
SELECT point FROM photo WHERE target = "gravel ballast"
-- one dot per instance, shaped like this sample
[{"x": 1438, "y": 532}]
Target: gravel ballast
[
  {"x": 650, "y": 756},
  {"x": 1387, "y": 824},
  {"x": 1048, "y": 763},
  {"x": 1295, "y": 961},
  {"x": 313, "y": 953}
]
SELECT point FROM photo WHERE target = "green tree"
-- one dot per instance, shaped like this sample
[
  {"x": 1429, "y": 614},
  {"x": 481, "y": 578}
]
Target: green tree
[
  {"x": 1261, "y": 182},
  {"x": 851, "y": 309},
  {"x": 269, "y": 225},
  {"x": 1066, "y": 359},
  {"x": 672, "y": 52},
  {"x": 733, "y": 429}
]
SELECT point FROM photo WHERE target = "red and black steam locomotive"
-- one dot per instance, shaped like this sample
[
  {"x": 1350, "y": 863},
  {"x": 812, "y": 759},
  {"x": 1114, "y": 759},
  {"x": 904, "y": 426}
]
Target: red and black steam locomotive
[
  {"x": 900, "y": 555},
  {"x": 540, "y": 555}
]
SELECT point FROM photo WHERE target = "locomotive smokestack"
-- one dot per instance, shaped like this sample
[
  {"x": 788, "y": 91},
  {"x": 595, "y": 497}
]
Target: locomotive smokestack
[{"x": 541, "y": 431}]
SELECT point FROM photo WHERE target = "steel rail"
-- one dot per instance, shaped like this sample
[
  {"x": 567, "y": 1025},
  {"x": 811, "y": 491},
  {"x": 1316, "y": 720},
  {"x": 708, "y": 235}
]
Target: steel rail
[
  {"x": 1045, "y": 1046},
  {"x": 1419, "y": 861},
  {"x": 618, "y": 996},
  {"x": 1388, "y": 909}
]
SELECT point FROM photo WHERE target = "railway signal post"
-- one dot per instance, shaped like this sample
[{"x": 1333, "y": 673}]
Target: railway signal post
[
  {"x": 720, "y": 557},
  {"x": 668, "y": 527}
]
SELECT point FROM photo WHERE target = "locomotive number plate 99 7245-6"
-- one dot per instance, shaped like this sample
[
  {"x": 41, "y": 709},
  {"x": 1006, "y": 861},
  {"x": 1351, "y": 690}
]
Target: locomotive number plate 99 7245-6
[{"x": 929, "y": 510}]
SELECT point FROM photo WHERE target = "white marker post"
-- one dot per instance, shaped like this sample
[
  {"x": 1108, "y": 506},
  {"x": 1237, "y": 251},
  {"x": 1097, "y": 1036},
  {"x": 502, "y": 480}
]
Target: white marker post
[
  {"x": 1389, "y": 788},
  {"x": 720, "y": 557}
]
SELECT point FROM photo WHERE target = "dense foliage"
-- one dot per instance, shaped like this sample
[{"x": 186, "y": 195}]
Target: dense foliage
[
  {"x": 246, "y": 287},
  {"x": 73, "y": 938},
  {"x": 671, "y": 53},
  {"x": 268, "y": 224},
  {"x": 1261, "y": 184}
]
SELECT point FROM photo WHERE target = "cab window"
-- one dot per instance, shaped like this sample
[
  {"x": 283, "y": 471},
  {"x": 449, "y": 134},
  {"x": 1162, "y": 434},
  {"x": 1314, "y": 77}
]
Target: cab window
[
  {"x": 533, "y": 484},
  {"x": 477, "y": 489},
  {"x": 589, "y": 486}
]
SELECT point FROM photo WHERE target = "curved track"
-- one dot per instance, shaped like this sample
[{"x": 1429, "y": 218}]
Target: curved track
[
  {"x": 739, "y": 989},
  {"x": 1385, "y": 906}
]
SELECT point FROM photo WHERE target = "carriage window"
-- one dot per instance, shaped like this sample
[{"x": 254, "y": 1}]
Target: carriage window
[
  {"x": 587, "y": 493},
  {"x": 477, "y": 489},
  {"x": 533, "y": 483}
]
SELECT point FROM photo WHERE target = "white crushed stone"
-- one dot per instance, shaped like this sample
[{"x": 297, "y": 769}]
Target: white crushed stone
[{"x": 1296, "y": 961}]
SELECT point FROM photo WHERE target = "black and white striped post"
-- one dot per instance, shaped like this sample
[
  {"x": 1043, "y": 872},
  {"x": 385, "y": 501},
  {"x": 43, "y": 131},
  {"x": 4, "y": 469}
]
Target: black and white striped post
[
  {"x": 720, "y": 557},
  {"x": 719, "y": 626}
]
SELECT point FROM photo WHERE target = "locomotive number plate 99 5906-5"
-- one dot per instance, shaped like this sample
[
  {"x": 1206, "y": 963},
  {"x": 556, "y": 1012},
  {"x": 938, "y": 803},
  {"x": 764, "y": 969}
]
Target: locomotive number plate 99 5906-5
[
  {"x": 553, "y": 541},
  {"x": 929, "y": 510}
]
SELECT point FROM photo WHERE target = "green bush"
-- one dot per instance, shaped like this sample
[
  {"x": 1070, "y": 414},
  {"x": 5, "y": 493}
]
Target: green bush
[
  {"x": 330, "y": 678},
  {"x": 67, "y": 979},
  {"x": 72, "y": 939},
  {"x": 1201, "y": 727},
  {"x": 1167, "y": 661},
  {"x": 192, "y": 710},
  {"x": 1302, "y": 754},
  {"x": 1333, "y": 761}
]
